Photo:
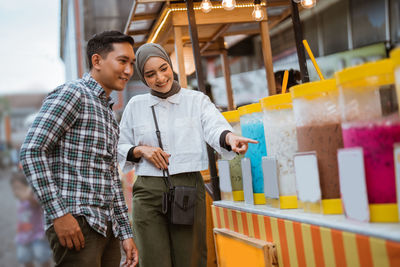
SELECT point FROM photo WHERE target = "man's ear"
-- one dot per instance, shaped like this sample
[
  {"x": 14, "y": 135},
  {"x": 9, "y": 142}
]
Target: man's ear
[{"x": 96, "y": 60}]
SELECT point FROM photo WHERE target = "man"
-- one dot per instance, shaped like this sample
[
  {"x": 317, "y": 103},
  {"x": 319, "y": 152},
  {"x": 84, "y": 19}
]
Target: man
[{"x": 70, "y": 159}]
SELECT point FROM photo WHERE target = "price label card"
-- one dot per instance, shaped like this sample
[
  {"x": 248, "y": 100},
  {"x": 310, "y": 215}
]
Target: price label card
[
  {"x": 224, "y": 176},
  {"x": 397, "y": 167},
  {"x": 247, "y": 181},
  {"x": 353, "y": 187},
  {"x": 270, "y": 172},
  {"x": 307, "y": 177}
]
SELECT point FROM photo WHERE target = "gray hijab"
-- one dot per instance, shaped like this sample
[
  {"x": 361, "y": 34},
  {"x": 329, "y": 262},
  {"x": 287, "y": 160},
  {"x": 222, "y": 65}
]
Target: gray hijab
[{"x": 147, "y": 51}]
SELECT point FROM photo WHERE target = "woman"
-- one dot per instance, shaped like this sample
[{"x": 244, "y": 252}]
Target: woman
[{"x": 187, "y": 121}]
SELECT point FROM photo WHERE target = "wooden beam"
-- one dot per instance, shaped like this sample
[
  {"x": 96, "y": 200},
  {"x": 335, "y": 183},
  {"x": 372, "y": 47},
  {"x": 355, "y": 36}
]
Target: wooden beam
[
  {"x": 179, "y": 56},
  {"x": 267, "y": 56},
  {"x": 167, "y": 35},
  {"x": 278, "y": 3},
  {"x": 131, "y": 14},
  {"x": 216, "y": 16},
  {"x": 156, "y": 32},
  {"x": 141, "y": 32},
  {"x": 186, "y": 40},
  {"x": 278, "y": 19},
  {"x": 219, "y": 32},
  {"x": 227, "y": 76},
  {"x": 145, "y": 17}
]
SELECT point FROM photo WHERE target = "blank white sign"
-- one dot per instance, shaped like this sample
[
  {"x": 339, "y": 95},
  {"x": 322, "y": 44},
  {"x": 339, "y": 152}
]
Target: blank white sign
[
  {"x": 352, "y": 183},
  {"x": 247, "y": 181},
  {"x": 307, "y": 177},
  {"x": 224, "y": 176},
  {"x": 269, "y": 166}
]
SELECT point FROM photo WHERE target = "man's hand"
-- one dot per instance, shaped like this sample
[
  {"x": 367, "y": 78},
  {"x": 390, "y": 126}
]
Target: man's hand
[
  {"x": 68, "y": 232},
  {"x": 238, "y": 144},
  {"x": 153, "y": 154},
  {"x": 132, "y": 255}
]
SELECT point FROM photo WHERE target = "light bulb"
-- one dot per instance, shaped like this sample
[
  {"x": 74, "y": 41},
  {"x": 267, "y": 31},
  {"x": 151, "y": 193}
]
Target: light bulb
[
  {"x": 206, "y": 6},
  {"x": 297, "y": 1},
  {"x": 308, "y": 3},
  {"x": 258, "y": 13},
  {"x": 228, "y": 4}
]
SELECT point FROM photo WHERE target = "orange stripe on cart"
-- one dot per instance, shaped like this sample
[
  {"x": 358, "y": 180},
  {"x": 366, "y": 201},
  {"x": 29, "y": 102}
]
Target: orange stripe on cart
[
  {"x": 226, "y": 219},
  {"x": 317, "y": 245},
  {"x": 256, "y": 226},
  {"x": 364, "y": 251},
  {"x": 219, "y": 224},
  {"x": 245, "y": 225},
  {"x": 298, "y": 238},
  {"x": 393, "y": 251},
  {"x": 235, "y": 221},
  {"x": 284, "y": 243},
  {"x": 338, "y": 248},
  {"x": 268, "y": 229}
]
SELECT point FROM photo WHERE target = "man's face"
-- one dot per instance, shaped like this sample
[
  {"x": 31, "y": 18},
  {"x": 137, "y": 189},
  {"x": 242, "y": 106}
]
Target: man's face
[{"x": 116, "y": 68}]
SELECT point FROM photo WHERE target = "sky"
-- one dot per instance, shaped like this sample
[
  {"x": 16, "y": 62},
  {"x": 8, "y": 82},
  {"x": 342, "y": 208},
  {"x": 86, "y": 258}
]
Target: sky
[{"x": 29, "y": 46}]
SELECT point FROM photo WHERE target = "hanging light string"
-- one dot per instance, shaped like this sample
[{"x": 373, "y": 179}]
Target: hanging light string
[{"x": 198, "y": 7}]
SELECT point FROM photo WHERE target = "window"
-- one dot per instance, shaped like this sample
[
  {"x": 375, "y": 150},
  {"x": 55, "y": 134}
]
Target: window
[
  {"x": 368, "y": 22},
  {"x": 333, "y": 21}
]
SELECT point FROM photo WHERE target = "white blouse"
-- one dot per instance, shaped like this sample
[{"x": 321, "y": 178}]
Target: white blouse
[{"x": 187, "y": 120}]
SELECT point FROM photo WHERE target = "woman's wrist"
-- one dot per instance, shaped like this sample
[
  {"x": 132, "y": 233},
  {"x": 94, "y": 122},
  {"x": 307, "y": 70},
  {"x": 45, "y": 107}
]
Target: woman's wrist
[
  {"x": 137, "y": 152},
  {"x": 227, "y": 138}
]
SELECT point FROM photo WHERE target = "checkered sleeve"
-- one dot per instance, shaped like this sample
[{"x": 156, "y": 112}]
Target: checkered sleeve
[
  {"x": 56, "y": 116},
  {"x": 121, "y": 210}
]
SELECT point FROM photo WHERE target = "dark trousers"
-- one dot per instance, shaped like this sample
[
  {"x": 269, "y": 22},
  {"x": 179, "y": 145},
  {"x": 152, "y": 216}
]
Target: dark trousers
[
  {"x": 160, "y": 243},
  {"x": 99, "y": 251}
]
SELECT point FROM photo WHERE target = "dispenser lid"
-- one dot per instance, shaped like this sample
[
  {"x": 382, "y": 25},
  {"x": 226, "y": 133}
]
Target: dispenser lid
[
  {"x": 281, "y": 101},
  {"x": 231, "y": 116},
  {"x": 311, "y": 88},
  {"x": 368, "y": 74},
  {"x": 252, "y": 108}
]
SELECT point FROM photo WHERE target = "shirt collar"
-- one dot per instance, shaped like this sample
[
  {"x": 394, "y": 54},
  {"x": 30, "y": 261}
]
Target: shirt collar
[
  {"x": 174, "y": 99},
  {"x": 96, "y": 88}
]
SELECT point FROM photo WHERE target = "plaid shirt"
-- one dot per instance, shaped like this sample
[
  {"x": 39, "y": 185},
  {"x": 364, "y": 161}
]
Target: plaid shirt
[{"x": 70, "y": 157}]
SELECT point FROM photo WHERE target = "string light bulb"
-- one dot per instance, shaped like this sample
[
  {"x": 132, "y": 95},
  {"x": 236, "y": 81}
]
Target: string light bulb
[
  {"x": 258, "y": 13},
  {"x": 308, "y": 3},
  {"x": 228, "y": 4},
  {"x": 206, "y": 6}
]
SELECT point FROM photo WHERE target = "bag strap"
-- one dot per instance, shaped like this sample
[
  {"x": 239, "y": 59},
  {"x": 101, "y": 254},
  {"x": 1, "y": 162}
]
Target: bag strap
[
  {"x": 158, "y": 133},
  {"x": 167, "y": 179}
]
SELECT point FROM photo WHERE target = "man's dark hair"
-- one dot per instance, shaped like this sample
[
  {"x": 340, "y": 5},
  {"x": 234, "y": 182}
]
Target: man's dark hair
[{"x": 102, "y": 43}]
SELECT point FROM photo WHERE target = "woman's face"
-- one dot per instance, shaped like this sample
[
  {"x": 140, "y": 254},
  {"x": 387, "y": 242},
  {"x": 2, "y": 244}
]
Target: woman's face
[{"x": 158, "y": 74}]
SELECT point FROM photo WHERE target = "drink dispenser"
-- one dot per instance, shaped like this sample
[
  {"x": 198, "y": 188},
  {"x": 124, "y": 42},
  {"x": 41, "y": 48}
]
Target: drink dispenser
[
  {"x": 235, "y": 168},
  {"x": 251, "y": 123},
  {"x": 281, "y": 140},
  {"x": 368, "y": 123},
  {"x": 318, "y": 127}
]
